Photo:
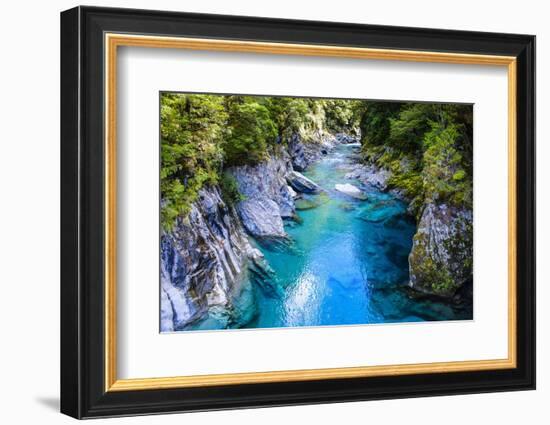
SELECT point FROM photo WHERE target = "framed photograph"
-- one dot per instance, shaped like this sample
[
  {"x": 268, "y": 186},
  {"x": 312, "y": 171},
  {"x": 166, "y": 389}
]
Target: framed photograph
[{"x": 261, "y": 212}]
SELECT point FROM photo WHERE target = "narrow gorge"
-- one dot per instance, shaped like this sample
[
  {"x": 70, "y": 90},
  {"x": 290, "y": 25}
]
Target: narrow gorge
[{"x": 323, "y": 229}]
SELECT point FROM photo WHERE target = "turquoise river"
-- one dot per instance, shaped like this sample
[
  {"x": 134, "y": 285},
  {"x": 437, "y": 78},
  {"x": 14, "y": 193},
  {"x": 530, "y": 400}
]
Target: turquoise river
[{"x": 347, "y": 262}]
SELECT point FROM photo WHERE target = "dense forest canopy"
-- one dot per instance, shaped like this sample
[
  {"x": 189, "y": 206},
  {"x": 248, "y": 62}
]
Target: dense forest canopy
[{"x": 427, "y": 147}]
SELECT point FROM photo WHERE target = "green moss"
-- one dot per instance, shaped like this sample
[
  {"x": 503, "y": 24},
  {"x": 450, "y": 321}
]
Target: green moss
[
  {"x": 459, "y": 175},
  {"x": 443, "y": 277},
  {"x": 410, "y": 182},
  {"x": 432, "y": 276},
  {"x": 443, "y": 284},
  {"x": 444, "y": 172}
]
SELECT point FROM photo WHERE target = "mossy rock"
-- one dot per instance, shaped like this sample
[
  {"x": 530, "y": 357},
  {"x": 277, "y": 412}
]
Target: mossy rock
[
  {"x": 310, "y": 202},
  {"x": 441, "y": 258},
  {"x": 305, "y": 204}
]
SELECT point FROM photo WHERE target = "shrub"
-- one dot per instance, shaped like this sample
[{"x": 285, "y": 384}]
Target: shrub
[
  {"x": 230, "y": 189},
  {"x": 249, "y": 131}
]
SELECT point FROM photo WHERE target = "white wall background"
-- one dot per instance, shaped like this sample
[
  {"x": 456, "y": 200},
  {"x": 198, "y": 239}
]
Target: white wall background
[{"x": 29, "y": 215}]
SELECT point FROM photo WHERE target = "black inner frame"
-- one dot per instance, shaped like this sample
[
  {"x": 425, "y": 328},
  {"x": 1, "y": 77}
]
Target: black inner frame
[{"x": 82, "y": 212}]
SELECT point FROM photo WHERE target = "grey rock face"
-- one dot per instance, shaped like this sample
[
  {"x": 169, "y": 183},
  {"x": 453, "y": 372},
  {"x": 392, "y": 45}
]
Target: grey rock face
[
  {"x": 262, "y": 218},
  {"x": 301, "y": 183},
  {"x": 203, "y": 262},
  {"x": 442, "y": 256},
  {"x": 300, "y": 159},
  {"x": 268, "y": 198}
]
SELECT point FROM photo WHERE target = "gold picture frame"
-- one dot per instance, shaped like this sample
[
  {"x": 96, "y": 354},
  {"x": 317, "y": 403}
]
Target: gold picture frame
[{"x": 114, "y": 41}]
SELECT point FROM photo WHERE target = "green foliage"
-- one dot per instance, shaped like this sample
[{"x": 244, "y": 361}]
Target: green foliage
[
  {"x": 427, "y": 148},
  {"x": 250, "y": 129},
  {"x": 290, "y": 115},
  {"x": 459, "y": 175},
  {"x": 375, "y": 122},
  {"x": 443, "y": 174},
  {"x": 201, "y": 135},
  {"x": 407, "y": 129},
  {"x": 340, "y": 114},
  {"x": 230, "y": 189},
  {"x": 191, "y": 128},
  {"x": 410, "y": 182}
]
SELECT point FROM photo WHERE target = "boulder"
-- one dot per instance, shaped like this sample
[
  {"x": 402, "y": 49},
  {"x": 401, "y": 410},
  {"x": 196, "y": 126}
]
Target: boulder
[
  {"x": 345, "y": 138},
  {"x": 302, "y": 153},
  {"x": 301, "y": 183},
  {"x": 261, "y": 217},
  {"x": 440, "y": 262},
  {"x": 267, "y": 197},
  {"x": 292, "y": 192},
  {"x": 266, "y": 180},
  {"x": 370, "y": 175}
]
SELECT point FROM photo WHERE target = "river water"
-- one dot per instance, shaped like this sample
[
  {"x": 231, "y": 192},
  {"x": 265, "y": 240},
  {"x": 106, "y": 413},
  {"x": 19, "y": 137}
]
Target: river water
[{"x": 347, "y": 262}]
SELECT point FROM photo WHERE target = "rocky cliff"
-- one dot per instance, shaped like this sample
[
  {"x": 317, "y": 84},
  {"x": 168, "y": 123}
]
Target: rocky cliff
[
  {"x": 441, "y": 258},
  {"x": 268, "y": 199},
  {"x": 204, "y": 260}
]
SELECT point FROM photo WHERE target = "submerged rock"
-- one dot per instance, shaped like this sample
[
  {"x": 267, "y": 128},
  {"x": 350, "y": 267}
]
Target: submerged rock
[
  {"x": 301, "y": 183},
  {"x": 382, "y": 211},
  {"x": 441, "y": 259},
  {"x": 308, "y": 202},
  {"x": 305, "y": 204},
  {"x": 350, "y": 190},
  {"x": 203, "y": 262},
  {"x": 346, "y": 206}
]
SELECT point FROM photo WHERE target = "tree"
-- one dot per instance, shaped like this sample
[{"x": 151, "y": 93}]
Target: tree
[
  {"x": 375, "y": 121},
  {"x": 190, "y": 129},
  {"x": 249, "y": 131}
]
